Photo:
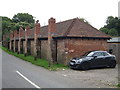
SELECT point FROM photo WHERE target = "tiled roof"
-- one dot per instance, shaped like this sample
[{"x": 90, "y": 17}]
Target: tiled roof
[
  {"x": 74, "y": 28},
  {"x": 61, "y": 28},
  {"x": 82, "y": 29}
]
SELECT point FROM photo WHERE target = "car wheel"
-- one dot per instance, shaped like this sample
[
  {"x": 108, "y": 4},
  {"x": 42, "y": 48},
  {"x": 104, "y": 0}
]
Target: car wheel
[
  {"x": 85, "y": 66},
  {"x": 113, "y": 64}
]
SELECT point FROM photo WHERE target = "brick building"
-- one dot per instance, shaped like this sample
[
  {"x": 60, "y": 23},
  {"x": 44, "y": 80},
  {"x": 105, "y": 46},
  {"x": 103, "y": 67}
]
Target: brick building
[
  {"x": 58, "y": 42},
  {"x": 114, "y": 44}
]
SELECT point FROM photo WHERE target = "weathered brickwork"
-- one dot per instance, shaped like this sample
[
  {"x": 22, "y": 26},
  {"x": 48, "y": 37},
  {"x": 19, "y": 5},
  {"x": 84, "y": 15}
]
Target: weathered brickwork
[
  {"x": 32, "y": 47},
  {"x": 39, "y": 49},
  {"x": 61, "y": 52},
  {"x": 44, "y": 45},
  {"x": 58, "y": 42},
  {"x": 78, "y": 47}
]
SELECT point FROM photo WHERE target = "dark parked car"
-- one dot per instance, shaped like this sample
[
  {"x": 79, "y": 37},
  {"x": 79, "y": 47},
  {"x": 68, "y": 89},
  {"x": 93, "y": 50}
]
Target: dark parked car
[{"x": 93, "y": 59}]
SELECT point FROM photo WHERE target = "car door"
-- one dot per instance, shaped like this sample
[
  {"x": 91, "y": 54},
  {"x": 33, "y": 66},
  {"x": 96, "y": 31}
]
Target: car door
[
  {"x": 98, "y": 60},
  {"x": 107, "y": 58}
]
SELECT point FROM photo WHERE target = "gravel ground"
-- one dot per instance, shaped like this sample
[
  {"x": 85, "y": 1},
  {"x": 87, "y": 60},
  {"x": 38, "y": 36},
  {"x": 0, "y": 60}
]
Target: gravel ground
[{"x": 101, "y": 78}]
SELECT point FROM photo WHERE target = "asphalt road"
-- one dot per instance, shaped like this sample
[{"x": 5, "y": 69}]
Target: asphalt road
[{"x": 17, "y": 73}]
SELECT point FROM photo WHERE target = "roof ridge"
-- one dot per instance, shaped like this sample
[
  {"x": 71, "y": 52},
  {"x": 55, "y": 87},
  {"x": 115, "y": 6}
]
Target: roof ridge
[
  {"x": 59, "y": 22},
  {"x": 69, "y": 28}
]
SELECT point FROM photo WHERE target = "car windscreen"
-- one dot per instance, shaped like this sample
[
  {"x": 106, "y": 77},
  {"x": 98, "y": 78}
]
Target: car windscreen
[{"x": 88, "y": 54}]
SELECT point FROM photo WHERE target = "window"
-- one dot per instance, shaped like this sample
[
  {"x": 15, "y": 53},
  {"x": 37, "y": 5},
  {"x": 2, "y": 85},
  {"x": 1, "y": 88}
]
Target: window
[
  {"x": 105, "y": 54},
  {"x": 98, "y": 54}
]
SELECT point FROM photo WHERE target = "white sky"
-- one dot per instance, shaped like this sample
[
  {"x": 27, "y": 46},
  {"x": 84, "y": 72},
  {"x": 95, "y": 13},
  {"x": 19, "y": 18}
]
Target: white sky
[{"x": 94, "y": 11}]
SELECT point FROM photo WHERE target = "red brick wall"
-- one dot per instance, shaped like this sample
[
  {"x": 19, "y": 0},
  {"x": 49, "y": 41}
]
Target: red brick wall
[
  {"x": 21, "y": 32},
  {"x": 44, "y": 48},
  {"x": 27, "y": 31},
  {"x": 11, "y": 35},
  {"x": 16, "y": 33},
  {"x": 70, "y": 48},
  {"x": 32, "y": 47},
  {"x": 37, "y": 28},
  {"x": 61, "y": 51}
]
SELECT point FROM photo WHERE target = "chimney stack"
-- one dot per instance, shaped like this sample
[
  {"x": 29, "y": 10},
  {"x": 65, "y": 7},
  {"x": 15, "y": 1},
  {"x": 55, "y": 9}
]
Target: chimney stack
[
  {"x": 51, "y": 33},
  {"x": 52, "y": 26},
  {"x": 11, "y": 37},
  {"x": 15, "y": 35},
  {"x": 27, "y": 31},
  {"x": 20, "y": 42},
  {"x": 36, "y": 35},
  {"x": 37, "y": 28}
]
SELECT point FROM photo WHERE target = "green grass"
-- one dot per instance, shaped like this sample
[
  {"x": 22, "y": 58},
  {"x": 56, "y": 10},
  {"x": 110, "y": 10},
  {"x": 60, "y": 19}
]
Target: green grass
[
  {"x": 38, "y": 62},
  {"x": 118, "y": 85}
]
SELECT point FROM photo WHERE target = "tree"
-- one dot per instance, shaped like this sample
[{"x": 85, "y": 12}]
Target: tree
[
  {"x": 6, "y": 25},
  {"x": 112, "y": 26},
  {"x": 113, "y": 32},
  {"x": 111, "y": 22},
  {"x": 16, "y": 26},
  {"x": 105, "y": 30},
  {"x": 20, "y": 19},
  {"x": 23, "y": 17}
]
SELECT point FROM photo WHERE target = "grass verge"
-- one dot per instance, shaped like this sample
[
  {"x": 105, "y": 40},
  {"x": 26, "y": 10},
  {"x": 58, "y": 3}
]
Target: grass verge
[
  {"x": 118, "y": 85},
  {"x": 38, "y": 62}
]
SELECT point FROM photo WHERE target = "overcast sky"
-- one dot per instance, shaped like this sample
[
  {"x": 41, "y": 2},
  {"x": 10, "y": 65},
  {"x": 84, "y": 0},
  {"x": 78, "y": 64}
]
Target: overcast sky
[{"x": 94, "y": 11}]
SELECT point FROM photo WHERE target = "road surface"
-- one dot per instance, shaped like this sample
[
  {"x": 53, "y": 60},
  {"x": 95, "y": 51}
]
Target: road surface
[{"x": 17, "y": 73}]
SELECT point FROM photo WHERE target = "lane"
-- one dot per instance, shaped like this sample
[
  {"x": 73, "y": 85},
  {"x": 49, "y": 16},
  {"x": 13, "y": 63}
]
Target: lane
[
  {"x": 28, "y": 80},
  {"x": 10, "y": 79},
  {"x": 38, "y": 75}
]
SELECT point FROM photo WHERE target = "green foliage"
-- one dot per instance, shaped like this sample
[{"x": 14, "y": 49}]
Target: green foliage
[
  {"x": 113, "y": 26},
  {"x": 105, "y": 30},
  {"x": 6, "y": 25},
  {"x": 112, "y": 32},
  {"x": 16, "y": 26},
  {"x": 84, "y": 20},
  {"x": 23, "y": 17},
  {"x": 118, "y": 85},
  {"x": 6, "y": 19},
  {"x": 20, "y": 19},
  {"x": 38, "y": 62}
]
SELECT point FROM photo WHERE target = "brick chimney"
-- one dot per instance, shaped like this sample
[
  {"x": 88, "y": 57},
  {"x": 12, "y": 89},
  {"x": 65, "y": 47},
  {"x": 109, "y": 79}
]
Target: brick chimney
[
  {"x": 21, "y": 32},
  {"x": 27, "y": 31},
  {"x": 36, "y": 35},
  {"x": 20, "y": 42},
  {"x": 11, "y": 37},
  {"x": 15, "y": 35},
  {"x": 51, "y": 33},
  {"x": 37, "y": 28},
  {"x": 52, "y": 26}
]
